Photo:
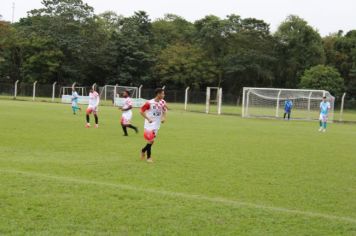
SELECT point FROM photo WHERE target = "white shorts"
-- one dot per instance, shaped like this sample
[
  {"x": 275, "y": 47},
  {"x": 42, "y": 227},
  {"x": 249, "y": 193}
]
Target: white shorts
[
  {"x": 126, "y": 118},
  {"x": 323, "y": 118},
  {"x": 92, "y": 109}
]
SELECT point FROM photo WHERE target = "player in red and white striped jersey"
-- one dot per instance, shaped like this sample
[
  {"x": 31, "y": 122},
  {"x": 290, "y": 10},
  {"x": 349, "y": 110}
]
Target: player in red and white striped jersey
[
  {"x": 93, "y": 107},
  {"x": 127, "y": 114},
  {"x": 154, "y": 112}
]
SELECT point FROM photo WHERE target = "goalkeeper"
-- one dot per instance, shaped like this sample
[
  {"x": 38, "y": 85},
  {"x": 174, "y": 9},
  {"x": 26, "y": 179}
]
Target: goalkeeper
[{"x": 288, "y": 105}]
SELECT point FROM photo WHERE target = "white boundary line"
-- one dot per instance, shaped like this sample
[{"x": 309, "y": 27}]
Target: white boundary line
[{"x": 234, "y": 203}]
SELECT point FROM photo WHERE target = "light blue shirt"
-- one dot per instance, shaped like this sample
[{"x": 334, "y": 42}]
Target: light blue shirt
[{"x": 324, "y": 108}]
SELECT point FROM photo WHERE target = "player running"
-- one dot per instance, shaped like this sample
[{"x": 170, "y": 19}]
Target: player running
[
  {"x": 154, "y": 112},
  {"x": 127, "y": 114},
  {"x": 75, "y": 98},
  {"x": 288, "y": 105},
  {"x": 93, "y": 107},
  {"x": 324, "y": 112}
]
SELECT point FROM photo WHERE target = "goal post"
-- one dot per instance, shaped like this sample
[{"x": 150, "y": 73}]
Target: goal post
[
  {"x": 213, "y": 96},
  {"x": 110, "y": 92},
  {"x": 269, "y": 102}
]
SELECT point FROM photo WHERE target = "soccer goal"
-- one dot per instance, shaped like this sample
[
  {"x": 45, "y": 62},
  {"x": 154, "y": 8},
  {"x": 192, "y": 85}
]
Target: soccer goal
[
  {"x": 269, "y": 103},
  {"x": 110, "y": 92},
  {"x": 213, "y": 97},
  {"x": 82, "y": 91}
]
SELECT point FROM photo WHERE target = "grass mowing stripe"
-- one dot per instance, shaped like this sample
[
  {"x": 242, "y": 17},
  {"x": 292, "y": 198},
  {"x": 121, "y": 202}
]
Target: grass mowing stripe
[{"x": 225, "y": 201}]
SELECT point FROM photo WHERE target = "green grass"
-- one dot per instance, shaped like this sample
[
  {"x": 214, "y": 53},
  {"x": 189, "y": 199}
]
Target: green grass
[{"x": 213, "y": 175}]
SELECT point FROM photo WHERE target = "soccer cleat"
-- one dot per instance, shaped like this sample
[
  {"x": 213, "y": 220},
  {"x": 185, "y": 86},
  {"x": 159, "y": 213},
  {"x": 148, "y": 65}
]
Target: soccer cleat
[
  {"x": 96, "y": 126},
  {"x": 149, "y": 160},
  {"x": 87, "y": 125},
  {"x": 143, "y": 156},
  {"x": 324, "y": 130},
  {"x": 320, "y": 129}
]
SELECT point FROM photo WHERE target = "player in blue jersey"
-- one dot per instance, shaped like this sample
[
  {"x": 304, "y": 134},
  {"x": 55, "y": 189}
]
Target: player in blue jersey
[
  {"x": 288, "y": 105},
  {"x": 75, "y": 98},
  {"x": 324, "y": 112}
]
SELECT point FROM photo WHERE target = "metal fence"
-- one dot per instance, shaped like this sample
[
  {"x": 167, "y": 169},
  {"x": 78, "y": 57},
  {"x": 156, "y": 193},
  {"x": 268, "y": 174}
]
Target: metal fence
[{"x": 231, "y": 102}]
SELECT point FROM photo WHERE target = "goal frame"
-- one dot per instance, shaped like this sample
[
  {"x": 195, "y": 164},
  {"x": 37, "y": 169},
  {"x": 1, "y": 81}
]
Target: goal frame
[
  {"x": 103, "y": 92},
  {"x": 247, "y": 91}
]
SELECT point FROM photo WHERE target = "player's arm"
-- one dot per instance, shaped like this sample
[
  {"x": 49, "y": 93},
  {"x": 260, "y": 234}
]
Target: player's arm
[
  {"x": 97, "y": 100},
  {"x": 164, "y": 116},
  {"x": 126, "y": 109},
  {"x": 143, "y": 110}
]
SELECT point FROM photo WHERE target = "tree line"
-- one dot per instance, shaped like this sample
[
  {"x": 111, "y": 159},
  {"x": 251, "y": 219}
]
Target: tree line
[{"x": 65, "y": 41}]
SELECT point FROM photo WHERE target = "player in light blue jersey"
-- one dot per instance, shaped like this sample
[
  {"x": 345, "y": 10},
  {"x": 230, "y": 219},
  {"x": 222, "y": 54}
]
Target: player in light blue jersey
[
  {"x": 288, "y": 105},
  {"x": 75, "y": 98},
  {"x": 324, "y": 112}
]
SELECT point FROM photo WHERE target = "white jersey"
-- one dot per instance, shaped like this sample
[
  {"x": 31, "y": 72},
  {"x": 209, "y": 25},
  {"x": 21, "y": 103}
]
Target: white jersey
[
  {"x": 154, "y": 111},
  {"x": 94, "y": 99},
  {"x": 127, "y": 104},
  {"x": 75, "y": 98}
]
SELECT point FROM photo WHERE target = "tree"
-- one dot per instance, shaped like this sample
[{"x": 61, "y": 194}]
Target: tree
[
  {"x": 134, "y": 53},
  {"x": 250, "y": 55},
  {"x": 323, "y": 77},
  {"x": 170, "y": 30},
  {"x": 299, "y": 47},
  {"x": 181, "y": 65},
  {"x": 345, "y": 59}
]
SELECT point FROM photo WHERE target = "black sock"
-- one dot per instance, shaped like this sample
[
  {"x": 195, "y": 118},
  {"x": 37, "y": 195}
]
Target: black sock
[
  {"x": 149, "y": 151},
  {"x": 146, "y": 148},
  {"x": 284, "y": 115},
  {"x": 88, "y": 119},
  {"x": 96, "y": 119},
  {"x": 288, "y": 116},
  {"x": 124, "y": 129},
  {"x": 132, "y": 127}
]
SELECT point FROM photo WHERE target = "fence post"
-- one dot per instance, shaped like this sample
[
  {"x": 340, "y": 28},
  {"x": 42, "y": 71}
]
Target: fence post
[
  {"x": 53, "y": 90},
  {"x": 34, "y": 91},
  {"x": 309, "y": 100},
  {"x": 15, "y": 92},
  {"x": 139, "y": 91},
  {"x": 105, "y": 92},
  {"x": 219, "y": 100},
  {"x": 342, "y": 107},
  {"x": 115, "y": 91},
  {"x": 277, "y": 105},
  {"x": 186, "y": 98},
  {"x": 207, "y": 100}
]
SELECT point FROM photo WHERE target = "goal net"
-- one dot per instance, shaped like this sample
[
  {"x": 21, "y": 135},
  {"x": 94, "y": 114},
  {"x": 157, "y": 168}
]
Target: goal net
[
  {"x": 82, "y": 91},
  {"x": 270, "y": 102},
  {"x": 110, "y": 92}
]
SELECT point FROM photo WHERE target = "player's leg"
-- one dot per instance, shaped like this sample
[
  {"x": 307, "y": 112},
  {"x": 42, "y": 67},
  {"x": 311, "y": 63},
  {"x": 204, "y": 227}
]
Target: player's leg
[
  {"x": 289, "y": 115},
  {"x": 132, "y": 127},
  {"x": 73, "y": 109},
  {"x": 149, "y": 135},
  {"x": 88, "y": 112},
  {"x": 284, "y": 116},
  {"x": 124, "y": 124},
  {"x": 324, "y": 124},
  {"x": 96, "y": 120},
  {"x": 320, "y": 122}
]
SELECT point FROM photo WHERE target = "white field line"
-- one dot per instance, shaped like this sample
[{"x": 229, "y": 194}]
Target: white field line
[{"x": 234, "y": 203}]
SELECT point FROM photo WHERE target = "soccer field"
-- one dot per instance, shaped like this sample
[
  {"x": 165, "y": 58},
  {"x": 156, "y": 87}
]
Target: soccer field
[{"x": 213, "y": 175}]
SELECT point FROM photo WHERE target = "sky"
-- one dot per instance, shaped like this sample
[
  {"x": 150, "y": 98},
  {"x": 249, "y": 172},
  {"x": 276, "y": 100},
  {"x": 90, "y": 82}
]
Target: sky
[{"x": 327, "y": 16}]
